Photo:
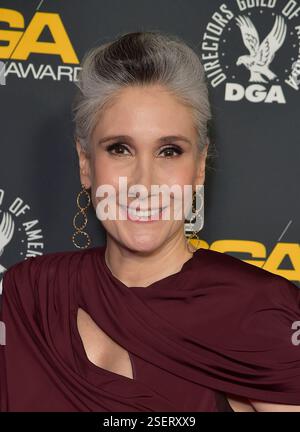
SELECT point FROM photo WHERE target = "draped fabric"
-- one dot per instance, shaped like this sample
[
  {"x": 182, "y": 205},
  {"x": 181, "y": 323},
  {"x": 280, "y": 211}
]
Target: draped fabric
[{"x": 218, "y": 326}]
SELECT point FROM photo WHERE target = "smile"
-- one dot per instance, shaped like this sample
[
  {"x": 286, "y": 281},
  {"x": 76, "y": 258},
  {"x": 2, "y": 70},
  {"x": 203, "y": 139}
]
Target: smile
[{"x": 138, "y": 215}]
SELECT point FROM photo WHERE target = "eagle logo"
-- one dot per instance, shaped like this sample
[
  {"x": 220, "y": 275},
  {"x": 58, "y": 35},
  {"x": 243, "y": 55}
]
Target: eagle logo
[
  {"x": 261, "y": 54},
  {"x": 7, "y": 227}
]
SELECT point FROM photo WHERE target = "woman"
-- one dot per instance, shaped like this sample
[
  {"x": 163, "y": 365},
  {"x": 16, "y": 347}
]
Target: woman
[{"x": 146, "y": 322}]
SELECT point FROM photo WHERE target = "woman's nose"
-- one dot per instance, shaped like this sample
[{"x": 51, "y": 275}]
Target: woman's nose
[{"x": 144, "y": 172}]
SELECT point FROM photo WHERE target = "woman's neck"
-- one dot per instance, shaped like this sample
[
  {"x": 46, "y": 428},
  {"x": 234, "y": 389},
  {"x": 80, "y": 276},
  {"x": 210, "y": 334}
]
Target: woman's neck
[{"x": 140, "y": 268}]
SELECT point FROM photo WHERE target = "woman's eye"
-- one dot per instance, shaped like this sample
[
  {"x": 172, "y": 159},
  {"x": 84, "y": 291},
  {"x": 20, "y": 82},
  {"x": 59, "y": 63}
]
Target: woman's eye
[
  {"x": 169, "y": 151},
  {"x": 118, "y": 147}
]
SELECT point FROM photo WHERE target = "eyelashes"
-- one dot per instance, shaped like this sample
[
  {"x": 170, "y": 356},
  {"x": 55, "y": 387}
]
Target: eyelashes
[
  {"x": 114, "y": 146},
  {"x": 173, "y": 148},
  {"x": 120, "y": 148}
]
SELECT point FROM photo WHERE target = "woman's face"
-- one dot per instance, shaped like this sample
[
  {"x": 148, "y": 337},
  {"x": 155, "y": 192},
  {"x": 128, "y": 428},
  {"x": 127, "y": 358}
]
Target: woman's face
[{"x": 147, "y": 118}]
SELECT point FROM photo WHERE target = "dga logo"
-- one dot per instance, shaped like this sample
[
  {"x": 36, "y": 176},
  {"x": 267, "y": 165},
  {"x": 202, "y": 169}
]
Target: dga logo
[
  {"x": 18, "y": 41},
  {"x": 283, "y": 259},
  {"x": 254, "y": 49},
  {"x": 18, "y": 231}
]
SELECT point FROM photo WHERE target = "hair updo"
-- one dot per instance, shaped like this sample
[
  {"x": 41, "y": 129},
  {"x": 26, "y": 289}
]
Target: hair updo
[{"x": 140, "y": 58}]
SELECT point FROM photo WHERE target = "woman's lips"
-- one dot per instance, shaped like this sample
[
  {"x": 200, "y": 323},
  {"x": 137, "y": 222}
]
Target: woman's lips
[{"x": 155, "y": 217}]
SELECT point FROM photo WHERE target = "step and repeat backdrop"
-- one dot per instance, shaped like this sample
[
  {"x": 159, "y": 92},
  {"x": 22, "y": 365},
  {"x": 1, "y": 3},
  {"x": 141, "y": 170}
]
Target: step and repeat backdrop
[{"x": 251, "y": 53}]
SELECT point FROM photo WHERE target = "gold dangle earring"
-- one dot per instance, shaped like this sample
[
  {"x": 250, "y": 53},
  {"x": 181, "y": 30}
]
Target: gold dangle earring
[
  {"x": 195, "y": 216},
  {"x": 81, "y": 213}
]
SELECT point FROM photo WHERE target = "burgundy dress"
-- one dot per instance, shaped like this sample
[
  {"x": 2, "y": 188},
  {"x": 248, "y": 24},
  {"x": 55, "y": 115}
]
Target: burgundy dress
[{"x": 219, "y": 326}]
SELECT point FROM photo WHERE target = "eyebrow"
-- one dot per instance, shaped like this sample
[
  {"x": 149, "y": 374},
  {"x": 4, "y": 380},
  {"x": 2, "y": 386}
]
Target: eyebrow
[{"x": 162, "y": 140}]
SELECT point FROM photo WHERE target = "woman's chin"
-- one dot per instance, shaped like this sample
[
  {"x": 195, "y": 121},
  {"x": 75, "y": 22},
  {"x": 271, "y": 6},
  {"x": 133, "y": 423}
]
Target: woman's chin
[{"x": 145, "y": 245}]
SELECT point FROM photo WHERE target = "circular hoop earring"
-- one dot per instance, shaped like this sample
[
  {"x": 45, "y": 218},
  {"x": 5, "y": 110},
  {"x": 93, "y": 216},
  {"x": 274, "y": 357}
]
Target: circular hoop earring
[
  {"x": 81, "y": 213},
  {"x": 194, "y": 233}
]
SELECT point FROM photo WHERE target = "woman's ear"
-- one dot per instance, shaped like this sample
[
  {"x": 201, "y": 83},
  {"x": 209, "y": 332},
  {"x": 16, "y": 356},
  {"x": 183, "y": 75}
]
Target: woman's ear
[
  {"x": 200, "y": 173},
  {"x": 84, "y": 165}
]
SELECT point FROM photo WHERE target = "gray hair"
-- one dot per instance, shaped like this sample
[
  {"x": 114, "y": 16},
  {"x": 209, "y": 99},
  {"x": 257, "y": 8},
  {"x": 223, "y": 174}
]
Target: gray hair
[{"x": 140, "y": 58}]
